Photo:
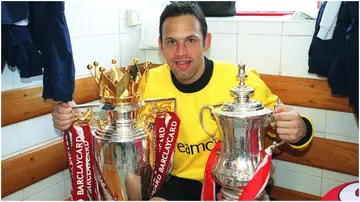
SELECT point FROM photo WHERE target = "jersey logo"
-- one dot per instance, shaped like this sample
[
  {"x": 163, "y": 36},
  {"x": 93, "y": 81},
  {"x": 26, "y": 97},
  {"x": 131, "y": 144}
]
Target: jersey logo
[{"x": 195, "y": 148}]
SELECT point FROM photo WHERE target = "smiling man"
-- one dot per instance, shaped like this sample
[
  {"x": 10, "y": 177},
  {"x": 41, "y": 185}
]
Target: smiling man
[
  {"x": 196, "y": 81},
  {"x": 183, "y": 45}
]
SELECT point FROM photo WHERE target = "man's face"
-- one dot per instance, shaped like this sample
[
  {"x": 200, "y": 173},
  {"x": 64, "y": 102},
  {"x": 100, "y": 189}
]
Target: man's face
[{"x": 183, "y": 47}]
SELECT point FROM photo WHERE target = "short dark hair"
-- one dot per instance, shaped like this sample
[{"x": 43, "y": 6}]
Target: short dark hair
[{"x": 178, "y": 8}]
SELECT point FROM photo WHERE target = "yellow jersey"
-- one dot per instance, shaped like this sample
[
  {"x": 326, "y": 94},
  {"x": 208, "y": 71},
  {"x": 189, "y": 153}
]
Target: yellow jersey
[{"x": 193, "y": 145}]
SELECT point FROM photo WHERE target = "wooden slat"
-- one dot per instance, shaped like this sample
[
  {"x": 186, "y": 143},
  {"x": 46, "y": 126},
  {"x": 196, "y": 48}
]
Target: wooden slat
[
  {"x": 22, "y": 104},
  {"x": 282, "y": 194},
  {"x": 24, "y": 170},
  {"x": 323, "y": 153},
  {"x": 305, "y": 92},
  {"x": 21, "y": 171},
  {"x": 26, "y": 103}
]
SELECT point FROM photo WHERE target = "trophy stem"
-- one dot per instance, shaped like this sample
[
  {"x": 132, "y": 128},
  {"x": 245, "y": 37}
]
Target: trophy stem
[{"x": 234, "y": 194}]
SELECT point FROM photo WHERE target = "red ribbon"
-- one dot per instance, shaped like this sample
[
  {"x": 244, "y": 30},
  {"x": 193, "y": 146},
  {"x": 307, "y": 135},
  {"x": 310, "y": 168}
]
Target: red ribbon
[
  {"x": 165, "y": 141},
  {"x": 79, "y": 182},
  {"x": 259, "y": 181},
  {"x": 252, "y": 190},
  {"x": 81, "y": 163},
  {"x": 208, "y": 189},
  {"x": 91, "y": 180}
]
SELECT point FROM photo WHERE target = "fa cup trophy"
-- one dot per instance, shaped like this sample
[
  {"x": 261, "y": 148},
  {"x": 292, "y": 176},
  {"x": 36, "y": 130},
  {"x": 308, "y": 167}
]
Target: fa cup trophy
[
  {"x": 121, "y": 145},
  {"x": 241, "y": 124}
]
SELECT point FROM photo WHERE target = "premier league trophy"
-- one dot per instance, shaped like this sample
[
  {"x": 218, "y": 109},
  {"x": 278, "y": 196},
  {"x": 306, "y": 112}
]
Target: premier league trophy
[
  {"x": 121, "y": 145},
  {"x": 241, "y": 124}
]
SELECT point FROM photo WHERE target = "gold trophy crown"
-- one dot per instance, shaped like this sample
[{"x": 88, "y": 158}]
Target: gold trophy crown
[{"x": 120, "y": 85}]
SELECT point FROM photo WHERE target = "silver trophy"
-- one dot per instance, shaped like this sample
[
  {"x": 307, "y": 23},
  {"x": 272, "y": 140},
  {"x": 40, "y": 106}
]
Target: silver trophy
[
  {"x": 241, "y": 125},
  {"x": 121, "y": 143}
]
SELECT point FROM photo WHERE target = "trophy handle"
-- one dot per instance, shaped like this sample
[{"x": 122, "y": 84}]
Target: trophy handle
[
  {"x": 212, "y": 135},
  {"x": 88, "y": 116},
  {"x": 271, "y": 121},
  {"x": 82, "y": 106}
]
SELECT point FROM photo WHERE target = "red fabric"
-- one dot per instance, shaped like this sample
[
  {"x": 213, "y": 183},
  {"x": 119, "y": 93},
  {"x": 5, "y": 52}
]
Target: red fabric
[
  {"x": 92, "y": 184},
  {"x": 81, "y": 163},
  {"x": 264, "y": 13},
  {"x": 345, "y": 192},
  {"x": 257, "y": 184},
  {"x": 166, "y": 136},
  {"x": 208, "y": 189},
  {"x": 79, "y": 182}
]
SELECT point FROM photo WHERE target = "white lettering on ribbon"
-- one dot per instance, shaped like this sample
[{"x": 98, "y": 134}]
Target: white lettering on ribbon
[
  {"x": 79, "y": 165},
  {"x": 165, "y": 153}
]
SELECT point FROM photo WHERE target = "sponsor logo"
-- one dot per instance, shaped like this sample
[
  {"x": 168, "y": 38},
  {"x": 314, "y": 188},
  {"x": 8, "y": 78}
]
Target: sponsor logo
[{"x": 195, "y": 148}]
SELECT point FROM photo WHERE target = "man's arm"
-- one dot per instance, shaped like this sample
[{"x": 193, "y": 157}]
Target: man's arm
[{"x": 297, "y": 130}]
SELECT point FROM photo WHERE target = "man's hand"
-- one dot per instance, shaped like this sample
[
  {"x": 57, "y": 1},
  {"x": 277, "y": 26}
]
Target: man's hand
[
  {"x": 63, "y": 116},
  {"x": 289, "y": 124}
]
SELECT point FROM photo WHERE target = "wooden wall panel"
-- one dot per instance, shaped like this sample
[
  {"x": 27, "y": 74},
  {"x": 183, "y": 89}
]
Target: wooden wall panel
[
  {"x": 323, "y": 153},
  {"x": 282, "y": 194},
  {"x": 31, "y": 167},
  {"x": 26, "y": 103},
  {"x": 26, "y": 169},
  {"x": 305, "y": 92}
]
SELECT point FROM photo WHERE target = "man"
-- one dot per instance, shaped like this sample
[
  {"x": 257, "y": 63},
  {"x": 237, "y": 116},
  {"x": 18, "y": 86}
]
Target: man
[{"x": 196, "y": 81}]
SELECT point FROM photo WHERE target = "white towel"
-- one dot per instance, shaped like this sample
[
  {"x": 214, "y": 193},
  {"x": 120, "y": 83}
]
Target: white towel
[
  {"x": 303, "y": 15},
  {"x": 23, "y": 22},
  {"x": 328, "y": 20},
  {"x": 150, "y": 15}
]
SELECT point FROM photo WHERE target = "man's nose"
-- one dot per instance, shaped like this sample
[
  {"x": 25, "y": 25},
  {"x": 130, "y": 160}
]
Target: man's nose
[{"x": 181, "y": 49}]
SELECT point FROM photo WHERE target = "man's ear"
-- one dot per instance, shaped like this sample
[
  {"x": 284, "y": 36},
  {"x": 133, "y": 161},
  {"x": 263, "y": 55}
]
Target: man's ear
[
  {"x": 207, "y": 42},
  {"x": 160, "y": 44}
]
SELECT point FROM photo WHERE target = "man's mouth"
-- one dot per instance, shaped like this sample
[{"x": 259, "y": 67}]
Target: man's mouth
[{"x": 183, "y": 64}]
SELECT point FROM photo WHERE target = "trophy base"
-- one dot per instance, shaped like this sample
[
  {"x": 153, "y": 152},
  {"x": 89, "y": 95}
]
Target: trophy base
[{"x": 234, "y": 194}]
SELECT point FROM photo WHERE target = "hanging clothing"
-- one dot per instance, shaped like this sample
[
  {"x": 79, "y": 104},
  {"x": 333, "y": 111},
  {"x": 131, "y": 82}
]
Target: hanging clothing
[
  {"x": 337, "y": 58},
  {"x": 329, "y": 20},
  {"x": 322, "y": 53},
  {"x": 41, "y": 47},
  {"x": 349, "y": 63}
]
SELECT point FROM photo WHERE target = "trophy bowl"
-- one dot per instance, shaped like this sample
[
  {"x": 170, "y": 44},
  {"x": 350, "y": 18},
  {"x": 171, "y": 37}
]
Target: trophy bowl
[{"x": 121, "y": 152}]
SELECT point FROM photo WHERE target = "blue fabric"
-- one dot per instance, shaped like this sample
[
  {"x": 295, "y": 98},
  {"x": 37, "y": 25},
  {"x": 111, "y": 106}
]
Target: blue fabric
[
  {"x": 352, "y": 55},
  {"x": 338, "y": 58},
  {"x": 322, "y": 53},
  {"x": 12, "y": 12},
  {"x": 48, "y": 33},
  {"x": 19, "y": 50}
]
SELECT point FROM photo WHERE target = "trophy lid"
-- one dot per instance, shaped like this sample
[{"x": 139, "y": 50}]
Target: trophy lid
[{"x": 242, "y": 106}]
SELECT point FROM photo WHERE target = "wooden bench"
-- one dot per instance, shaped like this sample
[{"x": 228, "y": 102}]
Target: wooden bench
[{"x": 23, "y": 170}]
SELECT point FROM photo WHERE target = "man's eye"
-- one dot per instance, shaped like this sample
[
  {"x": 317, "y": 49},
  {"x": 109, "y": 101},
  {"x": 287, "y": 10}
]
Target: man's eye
[
  {"x": 171, "y": 42},
  {"x": 192, "y": 40}
]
